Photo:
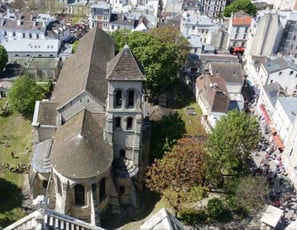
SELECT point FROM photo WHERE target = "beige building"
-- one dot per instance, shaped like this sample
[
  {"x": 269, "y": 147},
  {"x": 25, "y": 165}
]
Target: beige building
[{"x": 88, "y": 156}]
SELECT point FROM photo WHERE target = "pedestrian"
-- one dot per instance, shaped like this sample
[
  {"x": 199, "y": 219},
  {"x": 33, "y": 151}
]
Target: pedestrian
[
  {"x": 12, "y": 154},
  {"x": 275, "y": 175}
]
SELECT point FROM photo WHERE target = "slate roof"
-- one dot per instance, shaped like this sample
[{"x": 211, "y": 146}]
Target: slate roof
[
  {"x": 47, "y": 113},
  {"x": 279, "y": 64},
  {"x": 41, "y": 157},
  {"x": 86, "y": 69},
  {"x": 162, "y": 220},
  {"x": 274, "y": 90},
  {"x": 231, "y": 72},
  {"x": 289, "y": 105},
  {"x": 79, "y": 150},
  {"x": 125, "y": 67},
  {"x": 213, "y": 90}
]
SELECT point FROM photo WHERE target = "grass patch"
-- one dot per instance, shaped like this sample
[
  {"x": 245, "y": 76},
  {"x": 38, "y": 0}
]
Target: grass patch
[
  {"x": 15, "y": 136},
  {"x": 193, "y": 122}
]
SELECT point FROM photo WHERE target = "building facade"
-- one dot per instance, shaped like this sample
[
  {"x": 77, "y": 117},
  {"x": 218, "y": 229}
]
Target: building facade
[
  {"x": 238, "y": 29},
  {"x": 88, "y": 156}
]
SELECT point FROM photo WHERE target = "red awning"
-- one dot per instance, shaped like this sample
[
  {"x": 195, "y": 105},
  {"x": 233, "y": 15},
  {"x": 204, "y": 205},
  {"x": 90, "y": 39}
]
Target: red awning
[
  {"x": 278, "y": 141},
  {"x": 264, "y": 113}
]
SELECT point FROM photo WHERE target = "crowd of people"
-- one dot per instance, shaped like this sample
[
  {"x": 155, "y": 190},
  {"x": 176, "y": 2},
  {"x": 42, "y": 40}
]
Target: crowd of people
[{"x": 270, "y": 165}]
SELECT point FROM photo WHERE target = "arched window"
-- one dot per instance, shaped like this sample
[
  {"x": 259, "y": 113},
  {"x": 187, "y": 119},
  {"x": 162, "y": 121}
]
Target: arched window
[
  {"x": 130, "y": 98},
  {"x": 79, "y": 194},
  {"x": 129, "y": 123},
  {"x": 102, "y": 189},
  {"x": 118, "y": 98}
]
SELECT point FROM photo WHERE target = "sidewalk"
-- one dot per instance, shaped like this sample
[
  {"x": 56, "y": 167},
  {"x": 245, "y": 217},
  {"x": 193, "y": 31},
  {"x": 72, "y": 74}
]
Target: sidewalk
[{"x": 268, "y": 161}]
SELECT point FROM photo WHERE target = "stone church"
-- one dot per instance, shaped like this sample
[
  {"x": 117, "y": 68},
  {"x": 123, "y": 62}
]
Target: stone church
[{"x": 90, "y": 139}]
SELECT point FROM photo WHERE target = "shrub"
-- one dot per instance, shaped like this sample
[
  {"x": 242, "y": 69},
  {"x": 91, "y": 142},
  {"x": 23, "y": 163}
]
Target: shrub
[
  {"x": 236, "y": 206},
  {"x": 217, "y": 210},
  {"x": 192, "y": 216}
]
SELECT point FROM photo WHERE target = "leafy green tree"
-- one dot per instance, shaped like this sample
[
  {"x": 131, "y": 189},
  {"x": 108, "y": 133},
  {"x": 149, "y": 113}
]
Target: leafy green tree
[
  {"x": 160, "y": 60},
  {"x": 120, "y": 37},
  {"x": 173, "y": 35},
  {"x": 238, "y": 5},
  {"x": 179, "y": 172},
  {"x": 24, "y": 93},
  {"x": 251, "y": 192},
  {"x": 230, "y": 144},
  {"x": 217, "y": 210},
  {"x": 3, "y": 57},
  {"x": 165, "y": 132}
]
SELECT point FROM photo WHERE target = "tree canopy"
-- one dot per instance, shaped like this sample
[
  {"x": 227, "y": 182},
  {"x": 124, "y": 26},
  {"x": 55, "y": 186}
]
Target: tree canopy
[
  {"x": 166, "y": 132},
  {"x": 238, "y": 5},
  {"x": 251, "y": 192},
  {"x": 173, "y": 35},
  {"x": 3, "y": 57},
  {"x": 161, "y": 59},
  {"x": 180, "y": 169},
  {"x": 230, "y": 144},
  {"x": 23, "y": 94}
]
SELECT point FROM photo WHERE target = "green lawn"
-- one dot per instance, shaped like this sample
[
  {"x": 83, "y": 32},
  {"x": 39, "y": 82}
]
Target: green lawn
[
  {"x": 15, "y": 136},
  {"x": 193, "y": 122}
]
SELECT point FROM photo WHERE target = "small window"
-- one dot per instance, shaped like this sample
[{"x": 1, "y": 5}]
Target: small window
[
  {"x": 79, "y": 194},
  {"x": 44, "y": 183},
  {"x": 121, "y": 189},
  {"x": 122, "y": 153},
  {"x": 129, "y": 123},
  {"x": 117, "y": 122},
  {"x": 130, "y": 102},
  {"x": 118, "y": 99},
  {"x": 280, "y": 73},
  {"x": 291, "y": 72}
]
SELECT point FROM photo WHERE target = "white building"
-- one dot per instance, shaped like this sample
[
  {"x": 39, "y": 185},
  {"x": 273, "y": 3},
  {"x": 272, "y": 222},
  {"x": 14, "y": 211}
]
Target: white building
[
  {"x": 212, "y": 8},
  {"x": 284, "y": 116},
  {"x": 265, "y": 37},
  {"x": 282, "y": 71},
  {"x": 238, "y": 29},
  {"x": 290, "y": 154},
  {"x": 200, "y": 27}
]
